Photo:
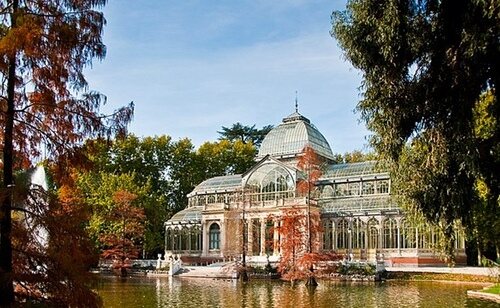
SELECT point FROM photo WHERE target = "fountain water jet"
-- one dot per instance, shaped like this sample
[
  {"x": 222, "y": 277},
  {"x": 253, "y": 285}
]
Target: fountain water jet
[{"x": 38, "y": 182}]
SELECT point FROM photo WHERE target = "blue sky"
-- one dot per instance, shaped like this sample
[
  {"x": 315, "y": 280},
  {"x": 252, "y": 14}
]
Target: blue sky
[{"x": 193, "y": 66}]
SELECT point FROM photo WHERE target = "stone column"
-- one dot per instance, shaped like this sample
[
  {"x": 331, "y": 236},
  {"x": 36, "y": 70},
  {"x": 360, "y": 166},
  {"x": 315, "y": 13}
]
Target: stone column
[
  {"x": 416, "y": 240},
  {"x": 250, "y": 237},
  {"x": 276, "y": 238},
  {"x": 380, "y": 229},
  {"x": 262, "y": 237},
  {"x": 204, "y": 238},
  {"x": 334, "y": 235},
  {"x": 222, "y": 236},
  {"x": 399, "y": 236},
  {"x": 349, "y": 238}
]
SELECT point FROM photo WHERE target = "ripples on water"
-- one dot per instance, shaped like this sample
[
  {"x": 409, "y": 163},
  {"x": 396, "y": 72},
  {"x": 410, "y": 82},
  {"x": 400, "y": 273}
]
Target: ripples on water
[{"x": 202, "y": 293}]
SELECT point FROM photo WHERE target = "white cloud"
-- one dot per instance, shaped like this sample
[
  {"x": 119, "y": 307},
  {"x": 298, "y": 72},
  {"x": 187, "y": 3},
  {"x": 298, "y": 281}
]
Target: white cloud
[{"x": 193, "y": 94}]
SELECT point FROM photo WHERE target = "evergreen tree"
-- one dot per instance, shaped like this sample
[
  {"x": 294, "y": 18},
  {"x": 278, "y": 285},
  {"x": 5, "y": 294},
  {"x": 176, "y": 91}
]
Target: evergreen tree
[
  {"x": 245, "y": 133},
  {"x": 425, "y": 65}
]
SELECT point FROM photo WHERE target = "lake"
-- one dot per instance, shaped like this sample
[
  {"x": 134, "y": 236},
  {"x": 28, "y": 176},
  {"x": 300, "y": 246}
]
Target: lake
[{"x": 202, "y": 293}]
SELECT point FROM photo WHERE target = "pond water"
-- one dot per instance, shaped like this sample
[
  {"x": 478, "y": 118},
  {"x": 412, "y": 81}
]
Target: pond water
[{"x": 202, "y": 293}]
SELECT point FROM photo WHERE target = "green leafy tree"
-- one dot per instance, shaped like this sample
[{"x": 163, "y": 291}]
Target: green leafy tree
[
  {"x": 355, "y": 156},
  {"x": 98, "y": 191},
  {"x": 123, "y": 242},
  {"x": 45, "y": 103},
  {"x": 184, "y": 173},
  {"x": 148, "y": 159},
  {"x": 425, "y": 66},
  {"x": 225, "y": 157},
  {"x": 245, "y": 133}
]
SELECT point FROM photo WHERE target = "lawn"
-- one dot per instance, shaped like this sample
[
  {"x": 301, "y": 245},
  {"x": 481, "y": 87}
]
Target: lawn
[{"x": 493, "y": 289}]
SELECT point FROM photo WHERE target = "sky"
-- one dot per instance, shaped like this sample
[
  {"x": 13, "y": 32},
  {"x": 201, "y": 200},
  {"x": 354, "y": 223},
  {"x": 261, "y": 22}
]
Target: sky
[{"x": 191, "y": 67}]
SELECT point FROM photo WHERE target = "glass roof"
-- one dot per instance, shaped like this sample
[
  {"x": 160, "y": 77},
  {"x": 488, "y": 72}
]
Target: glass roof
[
  {"x": 190, "y": 214},
  {"x": 291, "y": 136},
  {"x": 352, "y": 169},
  {"x": 218, "y": 184}
]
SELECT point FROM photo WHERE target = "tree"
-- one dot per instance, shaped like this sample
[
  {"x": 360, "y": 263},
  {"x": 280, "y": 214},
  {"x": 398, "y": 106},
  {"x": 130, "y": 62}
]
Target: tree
[
  {"x": 309, "y": 164},
  {"x": 43, "y": 222},
  {"x": 225, "y": 157},
  {"x": 244, "y": 133},
  {"x": 125, "y": 241},
  {"x": 355, "y": 156},
  {"x": 98, "y": 191},
  {"x": 138, "y": 165},
  {"x": 296, "y": 256},
  {"x": 44, "y": 47},
  {"x": 425, "y": 65}
]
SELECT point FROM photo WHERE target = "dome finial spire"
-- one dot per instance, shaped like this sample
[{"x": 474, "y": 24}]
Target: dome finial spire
[{"x": 296, "y": 102}]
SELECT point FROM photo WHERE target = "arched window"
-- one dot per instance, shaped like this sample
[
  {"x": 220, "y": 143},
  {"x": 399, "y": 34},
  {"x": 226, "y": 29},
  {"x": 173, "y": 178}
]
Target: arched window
[
  {"x": 368, "y": 188},
  {"x": 195, "y": 237},
  {"x": 342, "y": 234},
  {"x": 327, "y": 234},
  {"x": 214, "y": 236},
  {"x": 271, "y": 181},
  {"x": 341, "y": 189},
  {"x": 407, "y": 235},
  {"x": 327, "y": 191},
  {"x": 358, "y": 234},
  {"x": 353, "y": 189},
  {"x": 383, "y": 187},
  {"x": 168, "y": 239},
  {"x": 390, "y": 233},
  {"x": 176, "y": 239},
  {"x": 184, "y": 240},
  {"x": 373, "y": 234},
  {"x": 424, "y": 237}
]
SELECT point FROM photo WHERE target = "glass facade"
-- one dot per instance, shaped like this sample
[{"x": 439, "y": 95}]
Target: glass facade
[{"x": 358, "y": 214}]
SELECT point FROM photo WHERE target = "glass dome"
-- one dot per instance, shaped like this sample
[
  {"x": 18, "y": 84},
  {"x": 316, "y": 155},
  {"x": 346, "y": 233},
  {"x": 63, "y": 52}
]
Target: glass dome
[{"x": 290, "y": 137}]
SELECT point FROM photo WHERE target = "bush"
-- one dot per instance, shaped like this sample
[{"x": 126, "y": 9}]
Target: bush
[{"x": 356, "y": 269}]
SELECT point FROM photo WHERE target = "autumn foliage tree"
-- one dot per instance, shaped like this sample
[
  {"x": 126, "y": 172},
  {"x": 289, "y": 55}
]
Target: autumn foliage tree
[
  {"x": 296, "y": 259},
  {"x": 45, "y": 106},
  {"x": 309, "y": 166},
  {"x": 51, "y": 250},
  {"x": 300, "y": 226},
  {"x": 123, "y": 241}
]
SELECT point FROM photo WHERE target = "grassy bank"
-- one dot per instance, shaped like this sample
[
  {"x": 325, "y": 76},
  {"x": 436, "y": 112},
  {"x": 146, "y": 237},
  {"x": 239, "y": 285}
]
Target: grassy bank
[
  {"x": 439, "y": 276},
  {"x": 495, "y": 289}
]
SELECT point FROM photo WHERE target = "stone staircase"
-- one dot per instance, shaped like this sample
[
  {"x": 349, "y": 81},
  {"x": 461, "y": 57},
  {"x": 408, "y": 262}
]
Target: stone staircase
[{"x": 217, "y": 270}]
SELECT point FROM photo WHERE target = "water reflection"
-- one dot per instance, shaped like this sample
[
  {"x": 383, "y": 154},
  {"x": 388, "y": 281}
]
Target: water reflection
[{"x": 201, "y": 293}]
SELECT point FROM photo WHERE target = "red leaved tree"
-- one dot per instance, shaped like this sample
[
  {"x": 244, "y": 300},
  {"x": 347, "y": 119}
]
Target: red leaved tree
[
  {"x": 52, "y": 252},
  {"x": 45, "y": 105},
  {"x": 300, "y": 226},
  {"x": 123, "y": 242},
  {"x": 309, "y": 166},
  {"x": 296, "y": 260}
]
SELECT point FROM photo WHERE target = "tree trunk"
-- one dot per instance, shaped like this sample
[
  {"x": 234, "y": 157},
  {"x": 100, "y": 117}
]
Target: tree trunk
[{"x": 6, "y": 282}]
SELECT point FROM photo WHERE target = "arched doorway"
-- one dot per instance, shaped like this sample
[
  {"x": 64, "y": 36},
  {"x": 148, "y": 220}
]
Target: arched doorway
[{"x": 214, "y": 237}]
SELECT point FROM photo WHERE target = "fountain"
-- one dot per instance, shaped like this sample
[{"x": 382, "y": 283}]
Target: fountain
[{"x": 38, "y": 186}]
